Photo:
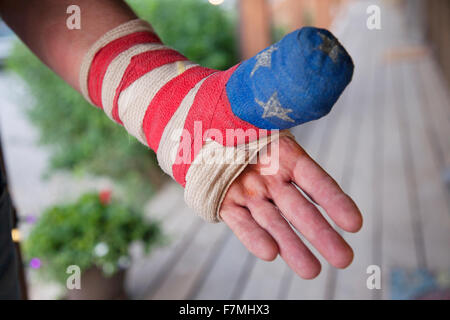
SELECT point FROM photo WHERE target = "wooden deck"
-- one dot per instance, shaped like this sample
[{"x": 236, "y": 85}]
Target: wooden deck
[{"x": 387, "y": 144}]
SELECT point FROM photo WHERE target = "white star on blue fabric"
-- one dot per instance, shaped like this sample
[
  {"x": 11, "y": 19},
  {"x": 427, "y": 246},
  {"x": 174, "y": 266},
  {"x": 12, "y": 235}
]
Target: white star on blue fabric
[
  {"x": 273, "y": 108},
  {"x": 264, "y": 59},
  {"x": 330, "y": 46}
]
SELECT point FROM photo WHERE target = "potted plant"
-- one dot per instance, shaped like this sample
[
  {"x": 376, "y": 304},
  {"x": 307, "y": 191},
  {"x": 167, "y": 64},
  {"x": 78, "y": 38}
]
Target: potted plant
[{"x": 94, "y": 235}]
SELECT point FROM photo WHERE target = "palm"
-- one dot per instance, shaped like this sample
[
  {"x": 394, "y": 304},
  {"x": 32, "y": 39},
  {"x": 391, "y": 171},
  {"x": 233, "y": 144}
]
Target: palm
[{"x": 257, "y": 208}]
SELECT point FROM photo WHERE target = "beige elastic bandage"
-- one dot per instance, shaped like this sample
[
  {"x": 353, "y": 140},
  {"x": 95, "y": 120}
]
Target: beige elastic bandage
[{"x": 215, "y": 167}]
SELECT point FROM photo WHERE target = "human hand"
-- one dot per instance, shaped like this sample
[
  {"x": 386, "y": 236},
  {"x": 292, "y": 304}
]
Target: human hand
[{"x": 258, "y": 208}]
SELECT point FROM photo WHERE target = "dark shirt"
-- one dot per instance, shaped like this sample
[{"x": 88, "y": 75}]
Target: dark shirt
[{"x": 9, "y": 283}]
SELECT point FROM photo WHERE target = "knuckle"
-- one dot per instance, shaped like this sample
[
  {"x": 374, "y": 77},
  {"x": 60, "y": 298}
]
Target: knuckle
[{"x": 254, "y": 186}]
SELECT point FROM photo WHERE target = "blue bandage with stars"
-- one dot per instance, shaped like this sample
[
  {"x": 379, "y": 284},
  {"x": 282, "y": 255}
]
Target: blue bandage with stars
[{"x": 294, "y": 81}]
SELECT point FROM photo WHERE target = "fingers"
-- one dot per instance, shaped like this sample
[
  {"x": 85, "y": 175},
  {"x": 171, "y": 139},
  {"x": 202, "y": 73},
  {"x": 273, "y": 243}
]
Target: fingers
[
  {"x": 291, "y": 248},
  {"x": 262, "y": 227},
  {"x": 252, "y": 236},
  {"x": 311, "y": 178},
  {"x": 305, "y": 217}
]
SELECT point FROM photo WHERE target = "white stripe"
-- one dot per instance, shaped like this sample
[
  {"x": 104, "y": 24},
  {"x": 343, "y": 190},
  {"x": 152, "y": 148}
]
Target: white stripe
[
  {"x": 116, "y": 33},
  {"x": 170, "y": 139},
  {"x": 134, "y": 101},
  {"x": 115, "y": 72}
]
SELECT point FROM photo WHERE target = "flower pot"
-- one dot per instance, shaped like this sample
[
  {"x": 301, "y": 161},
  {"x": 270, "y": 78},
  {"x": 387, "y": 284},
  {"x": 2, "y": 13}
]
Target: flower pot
[{"x": 96, "y": 286}]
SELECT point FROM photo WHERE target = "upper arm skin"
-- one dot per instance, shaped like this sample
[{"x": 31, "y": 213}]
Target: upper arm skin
[{"x": 41, "y": 24}]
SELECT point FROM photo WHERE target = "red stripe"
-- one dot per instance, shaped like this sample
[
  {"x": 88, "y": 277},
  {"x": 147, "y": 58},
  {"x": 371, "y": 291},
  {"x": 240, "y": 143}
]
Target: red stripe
[
  {"x": 167, "y": 101},
  {"x": 212, "y": 108},
  {"x": 107, "y": 54},
  {"x": 139, "y": 65}
]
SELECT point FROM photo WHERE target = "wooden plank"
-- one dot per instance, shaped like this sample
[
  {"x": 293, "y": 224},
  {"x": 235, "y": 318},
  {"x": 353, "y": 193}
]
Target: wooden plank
[
  {"x": 439, "y": 89},
  {"x": 378, "y": 170},
  {"x": 264, "y": 281},
  {"x": 223, "y": 277},
  {"x": 377, "y": 174},
  {"x": 357, "y": 178},
  {"x": 429, "y": 191},
  {"x": 406, "y": 145},
  {"x": 147, "y": 273},
  {"x": 342, "y": 157},
  {"x": 443, "y": 45},
  {"x": 398, "y": 237},
  {"x": 210, "y": 262},
  {"x": 165, "y": 202},
  {"x": 188, "y": 268},
  {"x": 435, "y": 109},
  {"x": 159, "y": 209}
]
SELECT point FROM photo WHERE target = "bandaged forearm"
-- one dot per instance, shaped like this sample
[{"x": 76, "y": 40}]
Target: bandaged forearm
[{"x": 207, "y": 125}]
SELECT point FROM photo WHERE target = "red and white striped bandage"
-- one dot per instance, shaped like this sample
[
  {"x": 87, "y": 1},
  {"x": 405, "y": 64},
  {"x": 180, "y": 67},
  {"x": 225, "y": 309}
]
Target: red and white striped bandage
[{"x": 174, "y": 106}]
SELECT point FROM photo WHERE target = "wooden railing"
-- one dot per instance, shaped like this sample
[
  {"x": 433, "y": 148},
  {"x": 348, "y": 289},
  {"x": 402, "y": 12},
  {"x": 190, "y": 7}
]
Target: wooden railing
[
  {"x": 257, "y": 17},
  {"x": 437, "y": 24}
]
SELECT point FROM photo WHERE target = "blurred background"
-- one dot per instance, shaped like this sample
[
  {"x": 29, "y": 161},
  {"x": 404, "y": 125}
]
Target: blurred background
[{"x": 88, "y": 194}]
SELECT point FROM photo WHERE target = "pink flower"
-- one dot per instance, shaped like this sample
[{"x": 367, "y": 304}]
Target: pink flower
[
  {"x": 105, "y": 196},
  {"x": 35, "y": 263}
]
